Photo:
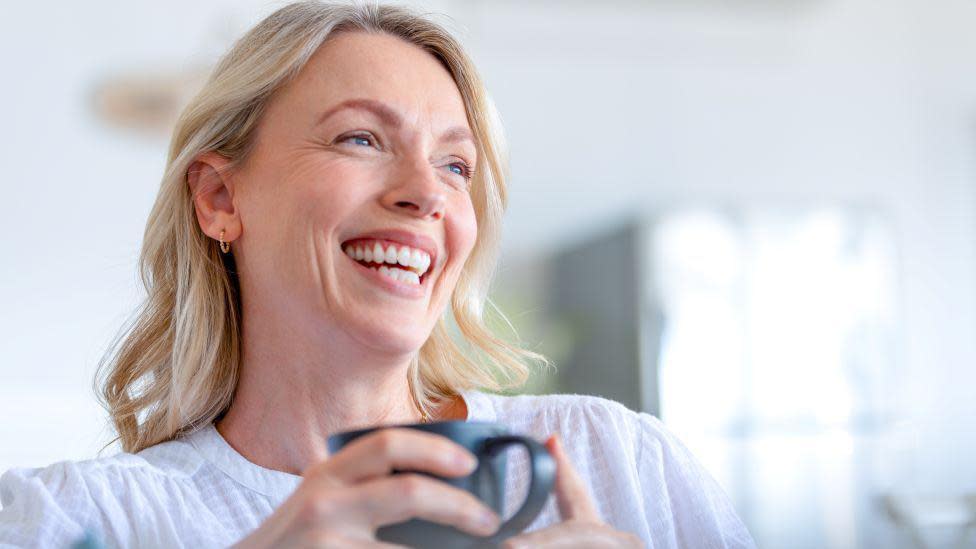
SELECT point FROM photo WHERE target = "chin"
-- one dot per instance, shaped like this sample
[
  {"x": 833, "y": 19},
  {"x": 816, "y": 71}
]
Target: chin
[{"x": 393, "y": 336}]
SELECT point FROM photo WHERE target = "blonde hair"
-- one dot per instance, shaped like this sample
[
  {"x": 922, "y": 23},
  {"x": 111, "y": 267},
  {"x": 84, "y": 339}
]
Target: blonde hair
[{"x": 175, "y": 365}]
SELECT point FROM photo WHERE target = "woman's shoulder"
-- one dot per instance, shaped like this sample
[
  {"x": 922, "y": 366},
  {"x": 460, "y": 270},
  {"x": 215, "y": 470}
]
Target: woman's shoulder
[
  {"x": 62, "y": 500},
  {"x": 587, "y": 424},
  {"x": 534, "y": 404},
  {"x": 571, "y": 412},
  {"x": 173, "y": 459},
  {"x": 590, "y": 425}
]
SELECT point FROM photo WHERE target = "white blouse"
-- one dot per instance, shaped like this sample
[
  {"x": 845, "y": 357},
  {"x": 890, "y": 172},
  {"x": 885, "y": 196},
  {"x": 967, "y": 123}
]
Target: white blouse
[{"x": 197, "y": 491}]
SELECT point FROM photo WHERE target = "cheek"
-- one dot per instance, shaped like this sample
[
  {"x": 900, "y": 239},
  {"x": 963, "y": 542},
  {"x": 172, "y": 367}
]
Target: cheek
[
  {"x": 295, "y": 212},
  {"x": 326, "y": 193},
  {"x": 464, "y": 229}
]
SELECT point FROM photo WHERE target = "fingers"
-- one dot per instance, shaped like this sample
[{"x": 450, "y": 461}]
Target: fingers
[
  {"x": 394, "y": 499},
  {"x": 354, "y": 486},
  {"x": 379, "y": 453},
  {"x": 572, "y": 495}
]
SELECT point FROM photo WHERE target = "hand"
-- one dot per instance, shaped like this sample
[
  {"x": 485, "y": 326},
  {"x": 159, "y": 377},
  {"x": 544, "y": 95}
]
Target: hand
[
  {"x": 581, "y": 525},
  {"x": 344, "y": 499}
]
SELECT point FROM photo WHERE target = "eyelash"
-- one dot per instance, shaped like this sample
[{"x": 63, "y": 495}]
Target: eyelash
[{"x": 467, "y": 172}]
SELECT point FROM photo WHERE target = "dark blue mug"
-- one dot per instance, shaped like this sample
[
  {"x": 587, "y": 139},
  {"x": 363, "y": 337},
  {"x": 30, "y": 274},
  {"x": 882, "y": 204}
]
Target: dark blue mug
[{"x": 488, "y": 442}]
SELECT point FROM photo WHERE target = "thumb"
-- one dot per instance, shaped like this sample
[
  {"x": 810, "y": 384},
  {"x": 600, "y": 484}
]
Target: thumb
[{"x": 572, "y": 495}]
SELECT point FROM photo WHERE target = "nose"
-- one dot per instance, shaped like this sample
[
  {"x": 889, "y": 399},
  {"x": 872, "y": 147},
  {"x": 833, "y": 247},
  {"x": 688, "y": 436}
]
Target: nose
[{"x": 417, "y": 192}]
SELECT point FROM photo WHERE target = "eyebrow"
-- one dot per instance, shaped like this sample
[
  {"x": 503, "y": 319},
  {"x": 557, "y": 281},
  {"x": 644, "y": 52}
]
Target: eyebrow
[{"x": 391, "y": 117}]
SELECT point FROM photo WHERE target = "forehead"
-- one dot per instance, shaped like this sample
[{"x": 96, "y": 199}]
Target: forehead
[{"x": 380, "y": 67}]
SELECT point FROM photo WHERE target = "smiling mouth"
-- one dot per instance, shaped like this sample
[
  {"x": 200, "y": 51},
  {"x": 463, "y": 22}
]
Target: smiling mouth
[{"x": 399, "y": 263}]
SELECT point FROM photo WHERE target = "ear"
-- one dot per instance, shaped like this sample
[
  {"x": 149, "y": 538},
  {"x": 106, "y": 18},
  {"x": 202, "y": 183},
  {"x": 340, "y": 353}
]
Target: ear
[{"x": 212, "y": 188}]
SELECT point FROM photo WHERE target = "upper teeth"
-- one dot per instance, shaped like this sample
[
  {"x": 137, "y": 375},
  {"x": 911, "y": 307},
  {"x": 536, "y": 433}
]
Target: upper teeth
[{"x": 417, "y": 260}]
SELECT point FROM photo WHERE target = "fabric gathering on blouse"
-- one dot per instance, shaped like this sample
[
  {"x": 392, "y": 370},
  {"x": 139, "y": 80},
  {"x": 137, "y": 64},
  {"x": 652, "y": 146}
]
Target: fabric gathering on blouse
[{"x": 197, "y": 491}]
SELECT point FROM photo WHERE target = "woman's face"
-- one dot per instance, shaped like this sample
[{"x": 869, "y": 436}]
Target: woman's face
[{"x": 354, "y": 205}]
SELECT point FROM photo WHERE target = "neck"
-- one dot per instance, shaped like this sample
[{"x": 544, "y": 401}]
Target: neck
[{"x": 293, "y": 392}]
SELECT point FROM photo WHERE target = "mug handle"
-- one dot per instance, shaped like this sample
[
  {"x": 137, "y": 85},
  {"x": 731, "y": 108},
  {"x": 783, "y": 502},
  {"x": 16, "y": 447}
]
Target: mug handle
[{"x": 540, "y": 484}]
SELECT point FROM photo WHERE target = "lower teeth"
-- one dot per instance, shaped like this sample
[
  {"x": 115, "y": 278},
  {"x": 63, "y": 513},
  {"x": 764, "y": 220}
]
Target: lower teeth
[{"x": 398, "y": 275}]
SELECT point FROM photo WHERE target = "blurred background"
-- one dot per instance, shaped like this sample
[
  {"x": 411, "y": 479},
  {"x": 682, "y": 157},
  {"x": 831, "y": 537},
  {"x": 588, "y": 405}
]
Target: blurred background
[{"x": 754, "y": 219}]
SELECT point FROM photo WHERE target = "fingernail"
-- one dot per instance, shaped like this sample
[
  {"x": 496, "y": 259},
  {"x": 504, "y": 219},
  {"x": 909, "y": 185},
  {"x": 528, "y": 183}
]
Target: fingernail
[
  {"x": 488, "y": 521},
  {"x": 555, "y": 442},
  {"x": 466, "y": 462}
]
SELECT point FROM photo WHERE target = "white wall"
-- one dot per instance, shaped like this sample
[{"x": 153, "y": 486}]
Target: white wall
[{"x": 609, "y": 111}]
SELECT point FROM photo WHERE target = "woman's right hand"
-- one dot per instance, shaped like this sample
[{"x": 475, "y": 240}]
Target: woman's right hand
[{"x": 344, "y": 499}]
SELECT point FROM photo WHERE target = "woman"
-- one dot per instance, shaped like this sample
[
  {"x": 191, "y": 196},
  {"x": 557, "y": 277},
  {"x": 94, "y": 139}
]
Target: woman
[{"x": 337, "y": 182}]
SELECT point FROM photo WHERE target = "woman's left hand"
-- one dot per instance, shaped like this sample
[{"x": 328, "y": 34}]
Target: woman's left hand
[{"x": 581, "y": 525}]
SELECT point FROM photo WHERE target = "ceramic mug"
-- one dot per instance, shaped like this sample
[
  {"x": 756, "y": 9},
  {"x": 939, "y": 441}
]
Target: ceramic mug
[{"x": 488, "y": 442}]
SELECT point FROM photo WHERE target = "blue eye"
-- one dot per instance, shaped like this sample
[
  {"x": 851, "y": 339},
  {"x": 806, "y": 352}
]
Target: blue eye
[
  {"x": 462, "y": 169},
  {"x": 362, "y": 140}
]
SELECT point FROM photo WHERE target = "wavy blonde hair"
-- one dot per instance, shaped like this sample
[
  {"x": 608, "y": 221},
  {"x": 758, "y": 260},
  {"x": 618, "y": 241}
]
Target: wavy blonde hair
[{"x": 175, "y": 365}]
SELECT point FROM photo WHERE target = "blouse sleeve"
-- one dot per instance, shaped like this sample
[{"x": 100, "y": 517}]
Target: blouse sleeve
[
  {"x": 695, "y": 512},
  {"x": 42, "y": 507}
]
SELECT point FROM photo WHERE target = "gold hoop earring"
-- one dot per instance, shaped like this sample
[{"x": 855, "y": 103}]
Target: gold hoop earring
[{"x": 224, "y": 246}]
